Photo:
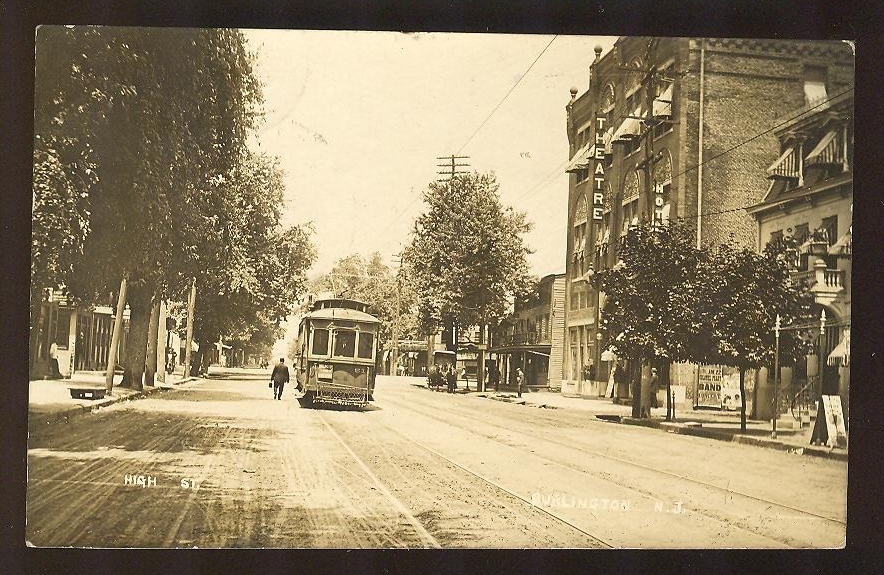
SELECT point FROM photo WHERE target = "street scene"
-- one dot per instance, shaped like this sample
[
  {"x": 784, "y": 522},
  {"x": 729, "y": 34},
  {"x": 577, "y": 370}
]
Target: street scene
[
  {"x": 213, "y": 463},
  {"x": 341, "y": 289}
]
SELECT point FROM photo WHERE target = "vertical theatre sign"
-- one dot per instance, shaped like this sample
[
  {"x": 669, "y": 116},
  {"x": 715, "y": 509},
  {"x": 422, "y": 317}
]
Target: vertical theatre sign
[{"x": 598, "y": 196}]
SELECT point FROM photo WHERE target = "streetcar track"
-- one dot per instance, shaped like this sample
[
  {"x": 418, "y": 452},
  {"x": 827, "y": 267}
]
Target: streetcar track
[
  {"x": 497, "y": 486},
  {"x": 726, "y": 490},
  {"x": 709, "y": 514},
  {"x": 491, "y": 482},
  {"x": 412, "y": 520}
]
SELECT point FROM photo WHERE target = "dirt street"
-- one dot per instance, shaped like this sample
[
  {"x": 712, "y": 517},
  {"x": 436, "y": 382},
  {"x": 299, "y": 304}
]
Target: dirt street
[{"x": 220, "y": 464}]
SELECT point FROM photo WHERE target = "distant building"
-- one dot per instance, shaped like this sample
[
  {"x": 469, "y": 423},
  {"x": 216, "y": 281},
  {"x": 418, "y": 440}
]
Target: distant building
[
  {"x": 532, "y": 337},
  {"x": 810, "y": 197},
  {"x": 677, "y": 128}
]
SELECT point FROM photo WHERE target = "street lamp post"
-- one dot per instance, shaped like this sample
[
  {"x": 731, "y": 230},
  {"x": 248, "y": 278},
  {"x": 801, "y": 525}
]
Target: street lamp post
[
  {"x": 822, "y": 361},
  {"x": 776, "y": 412}
]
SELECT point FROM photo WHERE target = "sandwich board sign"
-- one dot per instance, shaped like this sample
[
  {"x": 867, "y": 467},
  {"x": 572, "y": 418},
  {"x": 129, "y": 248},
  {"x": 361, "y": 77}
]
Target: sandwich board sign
[{"x": 829, "y": 426}]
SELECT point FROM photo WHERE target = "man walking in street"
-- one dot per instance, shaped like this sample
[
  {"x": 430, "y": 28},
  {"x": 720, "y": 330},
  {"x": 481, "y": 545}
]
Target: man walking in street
[{"x": 279, "y": 378}]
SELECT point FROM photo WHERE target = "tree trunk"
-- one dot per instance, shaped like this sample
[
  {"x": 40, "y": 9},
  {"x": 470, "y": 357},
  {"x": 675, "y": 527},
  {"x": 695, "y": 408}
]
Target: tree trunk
[
  {"x": 742, "y": 400},
  {"x": 153, "y": 331},
  {"x": 136, "y": 345},
  {"x": 636, "y": 380},
  {"x": 670, "y": 407}
]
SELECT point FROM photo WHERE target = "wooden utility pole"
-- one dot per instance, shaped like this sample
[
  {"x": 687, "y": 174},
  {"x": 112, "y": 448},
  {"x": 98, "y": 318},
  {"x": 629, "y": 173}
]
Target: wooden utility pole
[
  {"x": 451, "y": 166},
  {"x": 648, "y": 82},
  {"x": 152, "y": 345},
  {"x": 188, "y": 352},
  {"x": 394, "y": 352},
  {"x": 162, "y": 336},
  {"x": 115, "y": 339}
]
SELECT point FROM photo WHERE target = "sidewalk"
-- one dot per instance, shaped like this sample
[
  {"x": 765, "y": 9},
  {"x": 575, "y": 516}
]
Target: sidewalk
[
  {"x": 712, "y": 424},
  {"x": 49, "y": 400}
]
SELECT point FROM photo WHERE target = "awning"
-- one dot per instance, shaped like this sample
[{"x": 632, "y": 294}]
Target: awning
[
  {"x": 629, "y": 129},
  {"x": 608, "y": 139},
  {"x": 826, "y": 152},
  {"x": 580, "y": 159},
  {"x": 841, "y": 353},
  {"x": 602, "y": 239},
  {"x": 663, "y": 103},
  {"x": 786, "y": 165},
  {"x": 844, "y": 245}
]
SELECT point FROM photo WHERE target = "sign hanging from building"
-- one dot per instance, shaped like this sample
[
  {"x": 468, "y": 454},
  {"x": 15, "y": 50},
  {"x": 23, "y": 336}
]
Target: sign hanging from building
[{"x": 598, "y": 176}]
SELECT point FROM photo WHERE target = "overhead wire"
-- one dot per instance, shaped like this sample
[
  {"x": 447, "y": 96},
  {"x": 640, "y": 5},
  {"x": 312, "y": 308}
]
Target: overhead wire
[{"x": 476, "y": 131}]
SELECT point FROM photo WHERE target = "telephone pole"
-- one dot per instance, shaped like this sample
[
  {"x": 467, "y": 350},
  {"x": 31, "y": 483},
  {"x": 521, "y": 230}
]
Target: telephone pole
[
  {"x": 653, "y": 192},
  {"x": 394, "y": 354},
  {"x": 451, "y": 166}
]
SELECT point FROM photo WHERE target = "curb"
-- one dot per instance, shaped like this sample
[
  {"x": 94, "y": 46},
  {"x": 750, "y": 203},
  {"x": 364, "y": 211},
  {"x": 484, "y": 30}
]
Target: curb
[
  {"x": 73, "y": 411},
  {"x": 706, "y": 433},
  {"x": 680, "y": 429}
]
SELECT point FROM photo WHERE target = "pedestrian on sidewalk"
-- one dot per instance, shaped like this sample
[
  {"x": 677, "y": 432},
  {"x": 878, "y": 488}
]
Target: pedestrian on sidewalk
[
  {"x": 279, "y": 378},
  {"x": 451, "y": 378},
  {"x": 653, "y": 387},
  {"x": 54, "y": 371},
  {"x": 494, "y": 376},
  {"x": 520, "y": 379}
]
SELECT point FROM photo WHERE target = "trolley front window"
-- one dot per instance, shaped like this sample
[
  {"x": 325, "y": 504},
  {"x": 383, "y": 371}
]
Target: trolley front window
[
  {"x": 366, "y": 344},
  {"x": 345, "y": 343},
  {"x": 320, "y": 342}
]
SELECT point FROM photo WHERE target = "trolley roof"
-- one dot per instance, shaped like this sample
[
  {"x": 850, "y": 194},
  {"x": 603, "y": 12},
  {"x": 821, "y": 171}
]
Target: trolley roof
[
  {"x": 341, "y": 313},
  {"x": 339, "y": 302}
]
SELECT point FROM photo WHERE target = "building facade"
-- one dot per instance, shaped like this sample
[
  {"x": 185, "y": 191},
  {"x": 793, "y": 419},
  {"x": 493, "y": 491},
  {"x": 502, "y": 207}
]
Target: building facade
[
  {"x": 532, "y": 337},
  {"x": 82, "y": 336},
  {"x": 676, "y": 128},
  {"x": 810, "y": 197}
]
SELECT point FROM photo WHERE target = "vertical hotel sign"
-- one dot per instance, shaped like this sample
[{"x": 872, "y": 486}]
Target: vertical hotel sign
[{"x": 598, "y": 195}]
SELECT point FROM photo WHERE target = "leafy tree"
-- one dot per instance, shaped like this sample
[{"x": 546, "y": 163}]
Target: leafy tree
[
  {"x": 649, "y": 300},
  {"x": 370, "y": 280},
  {"x": 159, "y": 119},
  {"x": 739, "y": 294},
  {"x": 259, "y": 296},
  {"x": 467, "y": 257}
]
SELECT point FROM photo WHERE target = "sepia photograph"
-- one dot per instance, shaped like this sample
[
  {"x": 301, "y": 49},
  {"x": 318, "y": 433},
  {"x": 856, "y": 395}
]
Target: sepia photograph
[{"x": 349, "y": 289}]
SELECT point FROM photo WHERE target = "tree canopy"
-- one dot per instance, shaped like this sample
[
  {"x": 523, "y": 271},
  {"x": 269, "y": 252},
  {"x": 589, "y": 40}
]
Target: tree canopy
[
  {"x": 370, "y": 280},
  {"x": 666, "y": 301},
  {"x": 467, "y": 258},
  {"x": 649, "y": 303},
  {"x": 142, "y": 137}
]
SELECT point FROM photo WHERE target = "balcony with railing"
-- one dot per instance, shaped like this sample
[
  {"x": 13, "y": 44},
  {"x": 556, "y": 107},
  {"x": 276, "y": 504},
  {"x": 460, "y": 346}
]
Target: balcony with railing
[
  {"x": 828, "y": 283},
  {"x": 529, "y": 338}
]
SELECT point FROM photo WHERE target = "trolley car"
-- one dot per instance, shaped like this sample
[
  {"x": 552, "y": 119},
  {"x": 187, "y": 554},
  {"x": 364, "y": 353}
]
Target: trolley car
[{"x": 337, "y": 354}]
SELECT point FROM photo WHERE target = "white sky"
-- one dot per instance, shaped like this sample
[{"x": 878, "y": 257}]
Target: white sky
[{"x": 358, "y": 119}]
